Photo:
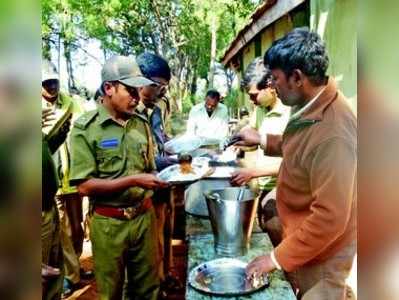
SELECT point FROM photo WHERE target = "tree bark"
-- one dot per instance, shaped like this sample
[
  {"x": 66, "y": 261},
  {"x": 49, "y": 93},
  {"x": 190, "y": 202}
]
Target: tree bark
[
  {"x": 67, "y": 55},
  {"x": 213, "y": 51}
]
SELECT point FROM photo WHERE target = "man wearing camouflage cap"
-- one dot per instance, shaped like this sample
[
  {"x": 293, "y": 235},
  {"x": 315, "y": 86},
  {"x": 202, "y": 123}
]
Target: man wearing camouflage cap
[
  {"x": 112, "y": 162},
  {"x": 69, "y": 203}
]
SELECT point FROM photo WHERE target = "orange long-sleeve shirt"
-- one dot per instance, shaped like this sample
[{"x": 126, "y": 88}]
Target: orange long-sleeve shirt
[{"x": 317, "y": 181}]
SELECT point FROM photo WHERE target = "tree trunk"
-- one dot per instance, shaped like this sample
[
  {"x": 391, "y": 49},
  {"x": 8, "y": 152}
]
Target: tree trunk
[
  {"x": 69, "y": 66},
  {"x": 46, "y": 49},
  {"x": 213, "y": 51},
  {"x": 193, "y": 85},
  {"x": 230, "y": 75}
]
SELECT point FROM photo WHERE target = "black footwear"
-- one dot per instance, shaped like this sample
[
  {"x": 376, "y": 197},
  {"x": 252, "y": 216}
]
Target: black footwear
[
  {"x": 172, "y": 283},
  {"x": 86, "y": 275},
  {"x": 162, "y": 295}
]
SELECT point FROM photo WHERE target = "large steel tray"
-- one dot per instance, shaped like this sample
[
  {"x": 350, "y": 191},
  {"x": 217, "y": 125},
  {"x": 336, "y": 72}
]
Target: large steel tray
[{"x": 225, "y": 277}]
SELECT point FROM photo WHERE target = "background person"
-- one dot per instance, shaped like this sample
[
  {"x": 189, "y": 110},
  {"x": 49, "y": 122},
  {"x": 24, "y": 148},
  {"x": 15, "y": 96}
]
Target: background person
[{"x": 209, "y": 119}]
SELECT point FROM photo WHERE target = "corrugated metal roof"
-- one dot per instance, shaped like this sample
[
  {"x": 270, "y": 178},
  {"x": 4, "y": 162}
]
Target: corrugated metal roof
[
  {"x": 258, "y": 21},
  {"x": 252, "y": 19}
]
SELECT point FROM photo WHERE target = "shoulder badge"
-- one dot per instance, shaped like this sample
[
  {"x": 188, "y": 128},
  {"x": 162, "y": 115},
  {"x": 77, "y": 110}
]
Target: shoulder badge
[{"x": 84, "y": 120}]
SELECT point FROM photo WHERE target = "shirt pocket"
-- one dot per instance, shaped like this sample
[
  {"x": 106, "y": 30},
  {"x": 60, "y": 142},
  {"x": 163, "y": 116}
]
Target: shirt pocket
[
  {"x": 138, "y": 156},
  {"x": 110, "y": 162}
]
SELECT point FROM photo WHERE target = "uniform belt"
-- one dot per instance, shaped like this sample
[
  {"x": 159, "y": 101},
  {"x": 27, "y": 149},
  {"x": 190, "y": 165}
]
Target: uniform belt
[{"x": 126, "y": 213}]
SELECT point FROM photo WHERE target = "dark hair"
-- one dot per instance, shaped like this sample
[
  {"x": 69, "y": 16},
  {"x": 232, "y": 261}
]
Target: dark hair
[
  {"x": 98, "y": 94},
  {"x": 152, "y": 65},
  {"x": 299, "y": 49},
  {"x": 214, "y": 94},
  {"x": 256, "y": 73}
]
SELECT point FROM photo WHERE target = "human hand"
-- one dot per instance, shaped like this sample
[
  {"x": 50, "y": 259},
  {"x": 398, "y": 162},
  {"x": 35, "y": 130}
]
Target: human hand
[
  {"x": 248, "y": 137},
  {"x": 242, "y": 176},
  {"x": 47, "y": 117},
  {"x": 48, "y": 271},
  {"x": 260, "y": 265},
  {"x": 149, "y": 181},
  {"x": 63, "y": 132}
]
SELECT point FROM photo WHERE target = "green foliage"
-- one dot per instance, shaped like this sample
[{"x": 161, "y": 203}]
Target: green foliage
[
  {"x": 178, "y": 123},
  {"x": 179, "y": 30},
  {"x": 231, "y": 99},
  {"x": 188, "y": 102}
]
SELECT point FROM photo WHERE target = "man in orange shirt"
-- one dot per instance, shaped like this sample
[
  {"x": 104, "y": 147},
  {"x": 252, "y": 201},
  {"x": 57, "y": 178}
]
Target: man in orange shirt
[{"x": 316, "y": 186}]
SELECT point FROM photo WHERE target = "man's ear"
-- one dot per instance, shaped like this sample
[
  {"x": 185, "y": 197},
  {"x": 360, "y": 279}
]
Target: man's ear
[
  {"x": 109, "y": 89},
  {"x": 297, "y": 77}
]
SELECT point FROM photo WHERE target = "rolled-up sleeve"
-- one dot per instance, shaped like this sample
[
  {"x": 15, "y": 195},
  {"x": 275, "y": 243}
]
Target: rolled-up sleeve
[
  {"x": 332, "y": 173},
  {"x": 83, "y": 163}
]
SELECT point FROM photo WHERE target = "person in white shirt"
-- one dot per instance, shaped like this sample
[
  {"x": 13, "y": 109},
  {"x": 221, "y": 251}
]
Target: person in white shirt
[
  {"x": 209, "y": 120},
  {"x": 258, "y": 83}
]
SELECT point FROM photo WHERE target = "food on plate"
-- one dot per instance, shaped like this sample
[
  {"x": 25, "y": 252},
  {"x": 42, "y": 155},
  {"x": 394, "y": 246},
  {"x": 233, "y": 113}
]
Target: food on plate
[{"x": 185, "y": 161}]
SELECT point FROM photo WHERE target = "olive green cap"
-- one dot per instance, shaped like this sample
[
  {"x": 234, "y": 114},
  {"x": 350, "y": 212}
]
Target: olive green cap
[{"x": 124, "y": 69}]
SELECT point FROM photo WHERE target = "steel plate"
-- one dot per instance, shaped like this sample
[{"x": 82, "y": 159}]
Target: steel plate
[
  {"x": 225, "y": 277},
  {"x": 184, "y": 143},
  {"x": 173, "y": 175}
]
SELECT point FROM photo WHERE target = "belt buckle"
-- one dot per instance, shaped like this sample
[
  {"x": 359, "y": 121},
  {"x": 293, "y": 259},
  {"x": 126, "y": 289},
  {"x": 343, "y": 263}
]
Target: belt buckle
[{"x": 130, "y": 212}]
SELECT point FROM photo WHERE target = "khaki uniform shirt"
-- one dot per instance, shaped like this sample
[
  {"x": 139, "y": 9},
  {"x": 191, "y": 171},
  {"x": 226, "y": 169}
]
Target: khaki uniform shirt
[
  {"x": 62, "y": 156},
  {"x": 164, "y": 105},
  {"x": 103, "y": 148}
]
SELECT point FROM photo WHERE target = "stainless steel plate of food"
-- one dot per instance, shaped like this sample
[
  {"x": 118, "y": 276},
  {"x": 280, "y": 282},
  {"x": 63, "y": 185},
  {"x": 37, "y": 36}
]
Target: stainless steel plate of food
[
  {"x": 225, "y": 277},
  {"x": 182, "y": 174}
]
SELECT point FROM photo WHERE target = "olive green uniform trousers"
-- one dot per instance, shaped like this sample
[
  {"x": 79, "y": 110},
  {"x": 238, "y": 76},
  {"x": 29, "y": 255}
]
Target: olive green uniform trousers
[
  {"x": 126, "y": 248},
  {"x": 71, "y": 258},
  {"x": 52, "y": 253}
]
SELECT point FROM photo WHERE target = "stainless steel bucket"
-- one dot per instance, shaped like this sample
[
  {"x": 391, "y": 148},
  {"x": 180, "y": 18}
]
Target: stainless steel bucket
[{"x": 232, "y": 219}]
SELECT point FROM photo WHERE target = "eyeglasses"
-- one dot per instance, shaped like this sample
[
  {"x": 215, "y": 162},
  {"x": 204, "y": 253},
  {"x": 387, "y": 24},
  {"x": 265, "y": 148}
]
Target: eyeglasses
[
  {"x": 131, "y": 90},
  {"x": 158, "y": 84},
  {"x": 269, "y": 83}
]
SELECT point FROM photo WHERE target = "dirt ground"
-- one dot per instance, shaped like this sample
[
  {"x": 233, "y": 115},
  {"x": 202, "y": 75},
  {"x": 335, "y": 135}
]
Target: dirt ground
[{"x": 87, "y": 288}]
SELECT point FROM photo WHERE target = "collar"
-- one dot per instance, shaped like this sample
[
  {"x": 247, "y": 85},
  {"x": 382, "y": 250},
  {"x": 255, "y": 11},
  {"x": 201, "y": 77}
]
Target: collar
[
  {"x": 144, "y": 111},
  {"x": 213, "y": 113},
  {"x": 278, "y": 109},
  {"x": 103, "y": 114},
  {"x": 57, "y": 103},
  {"x": 141, "y": 109},
  {"x": 313, "y": 112},
  {"x": 315, "y": 108}
]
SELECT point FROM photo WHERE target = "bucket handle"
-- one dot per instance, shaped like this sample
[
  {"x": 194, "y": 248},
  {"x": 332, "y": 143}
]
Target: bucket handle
[{"x": 213, "y": 196}]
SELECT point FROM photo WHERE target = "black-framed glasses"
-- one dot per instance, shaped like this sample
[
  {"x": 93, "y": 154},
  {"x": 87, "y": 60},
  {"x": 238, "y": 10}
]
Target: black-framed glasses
[
  {"x": 133, "y": 92},
  {"x": 268, "y": 83}
]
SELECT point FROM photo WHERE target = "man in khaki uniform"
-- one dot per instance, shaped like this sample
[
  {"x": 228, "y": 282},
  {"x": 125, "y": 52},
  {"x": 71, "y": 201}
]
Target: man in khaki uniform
[
  {"x": 151, "y": 106},
  {"x": 52, "y": 257},
  {"x": 112, "y": 161},
  {"x": 67, "y": 197}
]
